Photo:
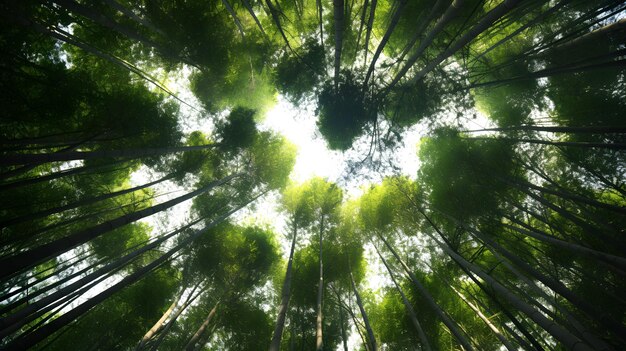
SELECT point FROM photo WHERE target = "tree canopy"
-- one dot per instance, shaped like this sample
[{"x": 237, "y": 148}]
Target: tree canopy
[{"x": 146, "y": 203}]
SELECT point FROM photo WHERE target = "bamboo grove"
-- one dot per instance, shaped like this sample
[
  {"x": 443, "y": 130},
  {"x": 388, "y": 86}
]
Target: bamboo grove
[{"x": 120, "y": 225}]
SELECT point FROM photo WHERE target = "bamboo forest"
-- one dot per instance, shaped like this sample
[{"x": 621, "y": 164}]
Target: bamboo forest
[{"x": 368, "y": 175}]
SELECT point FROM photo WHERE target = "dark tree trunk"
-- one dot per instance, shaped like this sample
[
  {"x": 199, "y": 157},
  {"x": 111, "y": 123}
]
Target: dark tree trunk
[
  {"x": 286, "y": 295},
  {"x": 80, "y": 203},
  {"x": 20, "y": 159},
  {"x": 44, "y": 252},
  {"x": 452, "y": 326},
  {"x": 392, "y": 25}
]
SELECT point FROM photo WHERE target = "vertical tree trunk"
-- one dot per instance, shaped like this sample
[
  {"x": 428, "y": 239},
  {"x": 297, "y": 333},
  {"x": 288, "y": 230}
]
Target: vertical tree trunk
[
  {"x": 114, "y": 4},
  {"x": 28, "y": 167},
  {"x": 344, "y": 338},
  {"x": 19, "y": 159},
  {"x": 555, "y": 285},
  {"x": 191, "y": 345},
  {"x": 447, "y": 16},
  {"x": 19, "y": 316},
  {"x": 452, "y": 326},
  {"x": 44, "y": 252},
  {"x": 319, "y": 339},
  {"x": 484, "y": 318},
  {"x": 286, "y": 294},
  {"x": 361, "y": 24},
  {"x": 190, "y": 299},
  {"x": 570, "y": 341},
  {"x": 379, "y": 49},
  {"x": 368, "y": 328},
  {"x": 274, "y": 14},
  {"x": 246, "y": 3},
  {"x": 409, "y": 308},
  {"x": 568, "y": 195},
  {"x": 64, "y": 173},
  {"x": 160, "y": 323},
  {"x": 368, "y": 29},
  {"x": 580, "y": 144},
  {"x": 80, "y": 203},
  {"x": 318, "y": 6},
  {"x": 25, "y": 341},
  {"x": 617, "y": 261},
  {"x": 421, "y": 25},
  {"x": 496, "y": 13},
  {"x": 529, "y": 24},
  {"x": 338, "y": 7},
  {"x": 233, "y": 14},
  {"x": 104, "y": 21}
]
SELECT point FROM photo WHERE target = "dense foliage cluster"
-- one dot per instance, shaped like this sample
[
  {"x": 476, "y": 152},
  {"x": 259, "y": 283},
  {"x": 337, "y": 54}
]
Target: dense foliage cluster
[{"x": 120, "y": 228}]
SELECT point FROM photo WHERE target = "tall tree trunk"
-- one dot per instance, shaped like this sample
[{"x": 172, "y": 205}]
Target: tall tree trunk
[
  {"x": 355, "y": 321},
  {"x": 233, "y": 14},
  {"x": 274, "y": 13},
  {"x": 452, "y": 326},
  {"x": 486, "y": 320},
  {"x": 114, "y": 4},
  {"x": 362, "y": 23},
  {"x": 556, "y": 129},
  {"x": 319, "y": 339},
  {"x": 26, "y": 341},
  {"x": 286, "y": 294},
  {"x": 555, "y": 285},
  {"x": 370, "y": 333},
  {"x": 570, "y": 341},
  {"x": 338, "y": 11},
  {"x": 568, "y": 195},
  {"x": 18, "y": 317},
  {"x": 419, "y": 28},
  {"x": 19, "y": 159},
  {"x": 191, "y": 345},
  {"x": 522, "y": 28},
  {"x": 392, "y": 25},
  {"x": 161, "y": 322},
  {"x": 248, "y": 7},
  {"x": 518, "y": 324},
  {"x": 447, "y": 16},
  {"x": 587, "y": 228},
  {"x": 318, "y": 6},
  {"x": 46, "y": 139},
  {"x": 344, "y": 338},
  {"x": 163, "y": 333},
  {"x": 26, "y": 284},
  {"x": 80, "y": 203},
  {"x": 594, "y": 341},
  {"x": 368, "y": 29},
  {"x": 28, "y": 167},
  {"x": 24, "y": 260},
  {"x": 104, "y": 21},
  {"x": 602, "y": 62},
  {"x": 64, "y": 173},
  {"x": 601, "y": 34},
  {"x": 617, "y": 261},
  {"x": 581, "y": 24},
  {"x": 495, "y": 14},
  {"x": 68, "y": 38},
  {"x": 409, "y": 308}
]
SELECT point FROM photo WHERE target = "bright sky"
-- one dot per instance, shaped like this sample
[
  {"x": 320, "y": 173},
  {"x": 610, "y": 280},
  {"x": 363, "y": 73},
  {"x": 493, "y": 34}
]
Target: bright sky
[{"x": 298, "y": 126}]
